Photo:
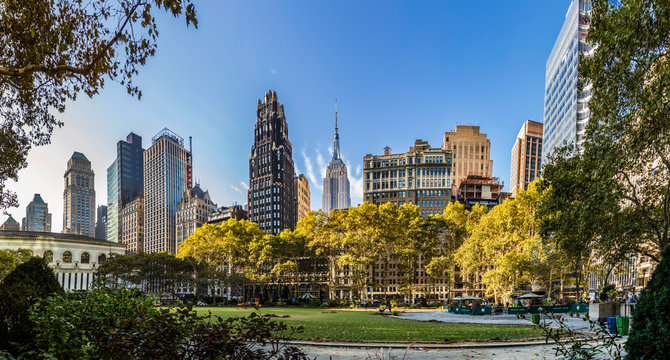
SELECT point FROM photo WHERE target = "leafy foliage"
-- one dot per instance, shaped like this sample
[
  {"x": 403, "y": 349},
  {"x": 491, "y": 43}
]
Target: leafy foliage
[
  {"x": 50, "y": 51},
  {"x": 121, "y": 324},
  {"x": 10, "y": 259},
  {"x": 650, "y": 326},
  {"x": 23, "y": 288},
  {"x": 598, "y": 343}
]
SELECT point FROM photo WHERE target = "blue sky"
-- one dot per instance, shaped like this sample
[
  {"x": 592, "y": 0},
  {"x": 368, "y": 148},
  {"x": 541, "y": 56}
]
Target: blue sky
[{"x": 399, "y": 70}]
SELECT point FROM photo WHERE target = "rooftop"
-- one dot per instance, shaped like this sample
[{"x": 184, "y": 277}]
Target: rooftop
[
  {"x": 80, "y": 156},
  {"x": 5, "y": 234},
  {"x": 38, "y": 199}
]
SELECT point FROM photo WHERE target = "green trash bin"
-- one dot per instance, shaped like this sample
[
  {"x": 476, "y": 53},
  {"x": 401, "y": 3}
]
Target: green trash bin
[
  {"x": 535, "y": 318},
  {"x": 622, "y": 325}
]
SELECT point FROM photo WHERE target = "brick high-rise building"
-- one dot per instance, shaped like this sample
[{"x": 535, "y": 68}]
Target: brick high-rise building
[
  {"x": 526, "y": 157},
  {"x": 271, "y": 195},
  {"x": 192, "y": 212},
  {"x": 421, "y": 176},
  {"x": 132, "y": 225},
  {"x": 125, "y": 181},
  {"x": 166, "y": 176},
  {"x": 471, "y": 152},
  {"x": 303, "y": 196},
  {"x": 37, "y": 216},
  {"x": 79, "y": 197}
]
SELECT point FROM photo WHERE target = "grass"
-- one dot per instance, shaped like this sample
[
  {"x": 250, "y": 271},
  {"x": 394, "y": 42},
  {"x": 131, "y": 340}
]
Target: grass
[{"x": 352, "y": 326}]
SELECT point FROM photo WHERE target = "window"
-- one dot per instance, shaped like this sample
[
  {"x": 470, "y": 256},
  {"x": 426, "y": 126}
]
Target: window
[
  {"x": 102, "y": 258},
  {"x": 67, "y": 257},
  {"x": 49, "y": 256},
  {"x": 85, "y": 258}
]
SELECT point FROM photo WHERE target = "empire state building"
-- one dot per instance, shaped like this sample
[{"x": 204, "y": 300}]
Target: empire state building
[{"x": 336, "y": 182}]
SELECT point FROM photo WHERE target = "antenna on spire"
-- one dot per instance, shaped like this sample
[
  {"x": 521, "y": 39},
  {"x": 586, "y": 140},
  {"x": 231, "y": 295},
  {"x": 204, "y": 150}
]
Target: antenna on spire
[{"x": 335, "y": 114}]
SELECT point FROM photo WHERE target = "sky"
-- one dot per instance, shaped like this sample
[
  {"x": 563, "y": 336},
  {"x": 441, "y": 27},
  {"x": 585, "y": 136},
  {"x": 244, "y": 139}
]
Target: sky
[{"x": 400, "y": 71}]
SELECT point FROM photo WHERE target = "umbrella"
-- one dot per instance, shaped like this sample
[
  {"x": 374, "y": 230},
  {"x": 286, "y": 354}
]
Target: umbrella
[
  {"x": 458, "y": 298},
  {"x": 472, "y": 298},
  {"x": 306, "y": 296},
  {"x": 530, "y": 296}
]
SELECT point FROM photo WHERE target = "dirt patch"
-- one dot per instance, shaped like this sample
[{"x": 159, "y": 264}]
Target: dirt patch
[{"x": 276, "y": 316}]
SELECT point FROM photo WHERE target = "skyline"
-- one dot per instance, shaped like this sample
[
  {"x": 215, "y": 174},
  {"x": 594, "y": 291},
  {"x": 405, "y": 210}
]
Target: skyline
[{"x": 438, "y": 91}]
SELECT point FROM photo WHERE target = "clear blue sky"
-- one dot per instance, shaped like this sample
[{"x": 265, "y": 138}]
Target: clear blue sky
[{"x": 399, "y": 70}]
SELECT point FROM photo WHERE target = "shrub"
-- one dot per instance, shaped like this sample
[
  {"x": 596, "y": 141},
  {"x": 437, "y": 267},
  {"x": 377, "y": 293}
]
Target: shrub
[
  {"x": 122, "y": 325},
  {"x": 315, "y": 303},
  {"x": 395, "y": 303},
  {"x": 27, "y": 285},
  {"x": 650, "y": 326},
  {"x": 607, "y": 292},
  {"x": 325, "y": 304},
  {"x": 280, "y": 303}
]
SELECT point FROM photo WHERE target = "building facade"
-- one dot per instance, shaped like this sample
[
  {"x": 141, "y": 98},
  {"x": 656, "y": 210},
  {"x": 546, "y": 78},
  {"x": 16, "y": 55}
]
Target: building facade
[
  {"x": 484, "y": 190},
  {"x": 303, "y": 196},
  {"x": 271, "y": 195},
  {"x": 132, "y": 225},
  {"x": 37, "y": 217},
  {"x": 421, "y": 176},
  {"x": 526, "y": 157},
  {"x": 101, "y": 223},
  {"x": 74, "y": 258},
  {"x": 225, "y": 213},
  {"x": 125, "y": 181},
  {"x": 192, "y": 212},
  {"x": 166, "y": 177},
  {"x": 471, "y": 152},
  {"x": 336, "y": 183},
  {"x": 79, "y": 197},
  {"x": 566, "y": 110},
  {"x": 10, "y": 224}
]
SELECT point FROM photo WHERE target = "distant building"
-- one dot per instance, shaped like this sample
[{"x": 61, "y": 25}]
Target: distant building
[
  {"x": 37, "y": 217},
  {"x": 74, "y": 258},
  {"x": 223, "y": 214},
  {"x": 421, "y": 176},
  {"x": 101, "y": 223},
  {"x": 192, "y": 212},
  {"x": 471, "y": 152},
  {"x": 303, "y": 196},
  {"x": 79, "y": 197},
  {"x": 132, "y": 225},
  {"x": 10, "y": 225},
  {"x": 479, "y": 189},
  {"x": 125, "y": 181},
  {"x": 167, "y": 175},
  {"x": 336, "y": 183},
  {"x": 271, "y": 195},
  {"x": 566, "y": 110},
  {"x": 526, "y": 157}
]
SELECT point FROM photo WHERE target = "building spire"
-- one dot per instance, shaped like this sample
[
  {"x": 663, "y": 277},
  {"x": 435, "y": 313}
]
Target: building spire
[{"x": 336, "y": 140}]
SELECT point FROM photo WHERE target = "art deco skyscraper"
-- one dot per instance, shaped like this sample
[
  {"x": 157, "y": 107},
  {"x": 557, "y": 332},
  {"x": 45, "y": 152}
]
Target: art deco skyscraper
[
  {"x": 566, "y": 110},
  {"x": 526, "y": 157},
  {"x": 79, "y": 197},
  {"x": 166, "y": 177},
  {"x": 336, "y": 183},
  {"x": 125, "y": 181},
  {"x": 271, "y": 193}
]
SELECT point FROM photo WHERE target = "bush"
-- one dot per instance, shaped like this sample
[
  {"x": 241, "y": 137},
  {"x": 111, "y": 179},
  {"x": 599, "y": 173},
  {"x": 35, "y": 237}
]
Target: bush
[
  {"x": 279, "y": 303},
  {"x": 607, "y": 292},
  {"x": 650, "y": 326},
  {"x": 395, "y": 303},
  {"x": 27, "y": 285},
  {"x": 315, "y": 303},
  {"x": 123, "y": 325},
  {"x": 325, "y": 304}
]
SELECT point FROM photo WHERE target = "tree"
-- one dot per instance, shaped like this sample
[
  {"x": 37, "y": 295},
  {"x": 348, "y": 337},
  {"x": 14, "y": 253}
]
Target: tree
[
  {"x": 51, "y": 51},
  {"x": 628, "y": 136},
  {"x": 27, "y": 285},
  {"x": 10, "y": 259},
  {"x": 323, "y": 235}
]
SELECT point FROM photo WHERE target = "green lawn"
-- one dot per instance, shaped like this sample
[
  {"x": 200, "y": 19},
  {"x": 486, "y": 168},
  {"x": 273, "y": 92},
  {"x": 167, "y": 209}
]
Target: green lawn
[{"x": 323, "y": 324}]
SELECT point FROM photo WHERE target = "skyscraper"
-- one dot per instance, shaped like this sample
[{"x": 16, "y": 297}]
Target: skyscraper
[
  {"x": 471, "y": 152},
  {"x": 271, "y": 193},
  {"x": 132, "y": 225},
  {"x": 526, "y": 156},
  {"x": 79, "y": 197},
  {"x": 10, "y": 225},
  {"x": 101, "y": 223},
  {"x": 303, "y": 196},
  {"x": 37, "y": 216},
  {"x": 566, "y": 111},
  {"x": 166, "y": 177},
  {"x": 192, "y": 212},
  {"x": 125, "y": 181},
  {"x": 336, "y": 183}
]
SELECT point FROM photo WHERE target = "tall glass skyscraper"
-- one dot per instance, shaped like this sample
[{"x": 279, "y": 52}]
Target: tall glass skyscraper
[
  {"x": 566, "y": 110},
  {"x": 37, "y": 217},
  {"x": 125, "y": 180}
]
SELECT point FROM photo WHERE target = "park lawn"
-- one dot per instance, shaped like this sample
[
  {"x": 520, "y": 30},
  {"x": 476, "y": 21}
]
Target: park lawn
[{"x": 352, "y": 326}]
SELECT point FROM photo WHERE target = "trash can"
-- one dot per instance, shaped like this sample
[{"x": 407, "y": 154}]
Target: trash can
[
  {"x": 612, "y": 324},
  {"x": 622, "y": 323},
  {"x": 535, "y": 318}
]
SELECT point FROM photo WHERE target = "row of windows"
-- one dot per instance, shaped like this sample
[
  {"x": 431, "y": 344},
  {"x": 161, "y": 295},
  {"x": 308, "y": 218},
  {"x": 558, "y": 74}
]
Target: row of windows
[{"x": 66, "y": 258}]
